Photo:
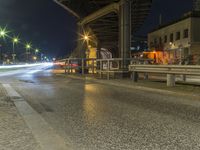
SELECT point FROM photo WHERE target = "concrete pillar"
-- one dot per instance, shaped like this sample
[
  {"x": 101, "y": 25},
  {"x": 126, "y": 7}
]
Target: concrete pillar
[
  {"x": 170, "y": 80},
  {"x": 134, "y": 76},
  {"x": 125, "y": 30}
]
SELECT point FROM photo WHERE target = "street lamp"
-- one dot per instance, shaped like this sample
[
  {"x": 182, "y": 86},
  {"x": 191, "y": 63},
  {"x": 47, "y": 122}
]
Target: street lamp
[
  {"x": 86, "y": 38},
  {"x": 34, "y": 58},
  {"x": 3, "y": 32},
  {"x": 28, "y": 47},
  {"x": 36, "y": 50},
  {"x": 15, "y": 40}
]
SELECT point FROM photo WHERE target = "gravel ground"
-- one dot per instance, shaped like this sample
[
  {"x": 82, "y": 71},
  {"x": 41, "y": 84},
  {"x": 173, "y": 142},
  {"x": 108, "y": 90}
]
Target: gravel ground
[{"x": 14, "y": 134}]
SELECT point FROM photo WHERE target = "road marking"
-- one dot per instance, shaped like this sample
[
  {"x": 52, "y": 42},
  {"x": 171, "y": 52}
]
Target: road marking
[{"x": 47, "y": 138}]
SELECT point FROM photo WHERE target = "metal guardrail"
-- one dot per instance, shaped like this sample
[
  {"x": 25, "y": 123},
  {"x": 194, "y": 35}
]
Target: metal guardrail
[
  {"x": 169, "y": 70},
  {"x": 134, "y": 66},
  {"x": 117, "y": 65}
]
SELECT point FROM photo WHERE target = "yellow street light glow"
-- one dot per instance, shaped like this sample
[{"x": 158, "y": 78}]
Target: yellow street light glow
[
  {"x": 28, "y": 46},
  {"x": 86, "y": 37},
  {"x": 15, "y": 40},
  {"x": 34, "y": 58}
]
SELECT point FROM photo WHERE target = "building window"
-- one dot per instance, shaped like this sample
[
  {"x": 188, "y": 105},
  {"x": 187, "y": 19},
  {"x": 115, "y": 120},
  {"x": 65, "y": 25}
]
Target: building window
[
  {"x": 155, "y": 41},
  {"x": 160, "y": 40},
  {"x": 165, "y": 39},
  {"x": 186, "y": 33},
  {"x": 178, "y": 35},
  {"x": 171, "y": 37}
]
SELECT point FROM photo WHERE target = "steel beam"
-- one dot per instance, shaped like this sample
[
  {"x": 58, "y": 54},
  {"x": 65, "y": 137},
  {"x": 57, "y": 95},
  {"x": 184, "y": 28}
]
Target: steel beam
[
  {"x": 100, "y": 13},
  {"x": 67, "y": 8}
]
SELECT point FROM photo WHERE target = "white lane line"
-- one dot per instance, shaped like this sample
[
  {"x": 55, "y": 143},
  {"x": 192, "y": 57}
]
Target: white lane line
[{"x": 43, "y": 133}]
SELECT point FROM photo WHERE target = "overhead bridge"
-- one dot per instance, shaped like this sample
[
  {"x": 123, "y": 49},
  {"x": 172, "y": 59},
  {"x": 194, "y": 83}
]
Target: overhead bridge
[{"x": 112, "y": 23}]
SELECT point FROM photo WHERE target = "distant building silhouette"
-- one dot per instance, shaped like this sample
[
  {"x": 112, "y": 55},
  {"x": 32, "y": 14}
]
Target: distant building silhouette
[{"x": 196, "y": 5}]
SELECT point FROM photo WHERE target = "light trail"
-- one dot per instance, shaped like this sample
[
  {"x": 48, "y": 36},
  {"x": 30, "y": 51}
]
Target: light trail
[{"x": 25, "y": 65}]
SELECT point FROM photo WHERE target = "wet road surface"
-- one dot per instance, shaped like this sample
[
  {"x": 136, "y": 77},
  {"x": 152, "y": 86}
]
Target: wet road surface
[{"x": 94, "y": 116}]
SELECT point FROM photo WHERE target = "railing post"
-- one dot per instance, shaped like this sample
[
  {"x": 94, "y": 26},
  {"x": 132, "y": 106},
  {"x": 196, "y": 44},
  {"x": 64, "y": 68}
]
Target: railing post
[
  {"x": 134, "y": 76},
  {"x": 83, "y": 67},
  {"x": 68, "y": 66},
  {"x": 146, "y": 76},
  {"x": 92, "y": 66},
  {"x": 65, "y": 66},
  {"x": 101, "y": 68},
  {"x": 170, "y": 80},
  {"x": 183, "y": 78},
  {"x": 108, "y": 69}
]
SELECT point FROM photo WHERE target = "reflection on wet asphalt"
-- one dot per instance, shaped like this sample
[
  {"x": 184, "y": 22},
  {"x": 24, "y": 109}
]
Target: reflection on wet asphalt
[{"x": 93, "y": 116}]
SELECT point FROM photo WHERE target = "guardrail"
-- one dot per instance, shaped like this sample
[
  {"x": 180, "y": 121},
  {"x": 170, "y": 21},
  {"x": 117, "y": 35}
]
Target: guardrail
[
  {"x": 169, "y": 70},
  {"x": 117, "y": 65}
]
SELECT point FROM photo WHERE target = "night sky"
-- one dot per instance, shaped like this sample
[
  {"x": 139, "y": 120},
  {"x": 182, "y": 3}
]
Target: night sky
[{"x": 50, "y": 28}]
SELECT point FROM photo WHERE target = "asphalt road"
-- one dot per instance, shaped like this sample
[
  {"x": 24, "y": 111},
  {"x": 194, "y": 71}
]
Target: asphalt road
[{"x": 94, "y": 116}]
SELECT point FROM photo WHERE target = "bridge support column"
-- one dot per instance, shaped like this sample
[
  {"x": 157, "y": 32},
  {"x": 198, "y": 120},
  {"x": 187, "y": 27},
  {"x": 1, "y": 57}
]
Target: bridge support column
[
  {"x": 125, "y": 28},
  {"x": 170, "y": 80}
]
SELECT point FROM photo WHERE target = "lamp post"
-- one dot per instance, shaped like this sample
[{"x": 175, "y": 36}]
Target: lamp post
[
  {"x": 14, "y": 41},
  {"x": 3, "y": 33},
  {"x": 28, "y": 47},
  {"x": 36, "y": 51}
]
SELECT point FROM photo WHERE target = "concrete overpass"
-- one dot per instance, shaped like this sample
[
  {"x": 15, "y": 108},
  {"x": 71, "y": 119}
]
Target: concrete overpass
[{"x": 111, "y": 23}]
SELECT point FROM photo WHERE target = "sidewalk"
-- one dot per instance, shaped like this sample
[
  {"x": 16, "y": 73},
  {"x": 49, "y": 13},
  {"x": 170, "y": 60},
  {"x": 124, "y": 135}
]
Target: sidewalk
[
  {"x": 14, "y": 133},
  {"x": 148, "y": 85}
]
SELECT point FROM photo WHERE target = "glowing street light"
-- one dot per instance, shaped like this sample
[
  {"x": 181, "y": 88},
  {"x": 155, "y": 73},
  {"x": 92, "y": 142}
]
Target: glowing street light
[
  {"x": 36, "y": 50},
  {"x": 86, "y": 37},
  {"x": 15, "y": 40},
  {"x": 34, "y": 58},
  {"x": 28, "y": 47},
  {"x": 3, "y": 32}
]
